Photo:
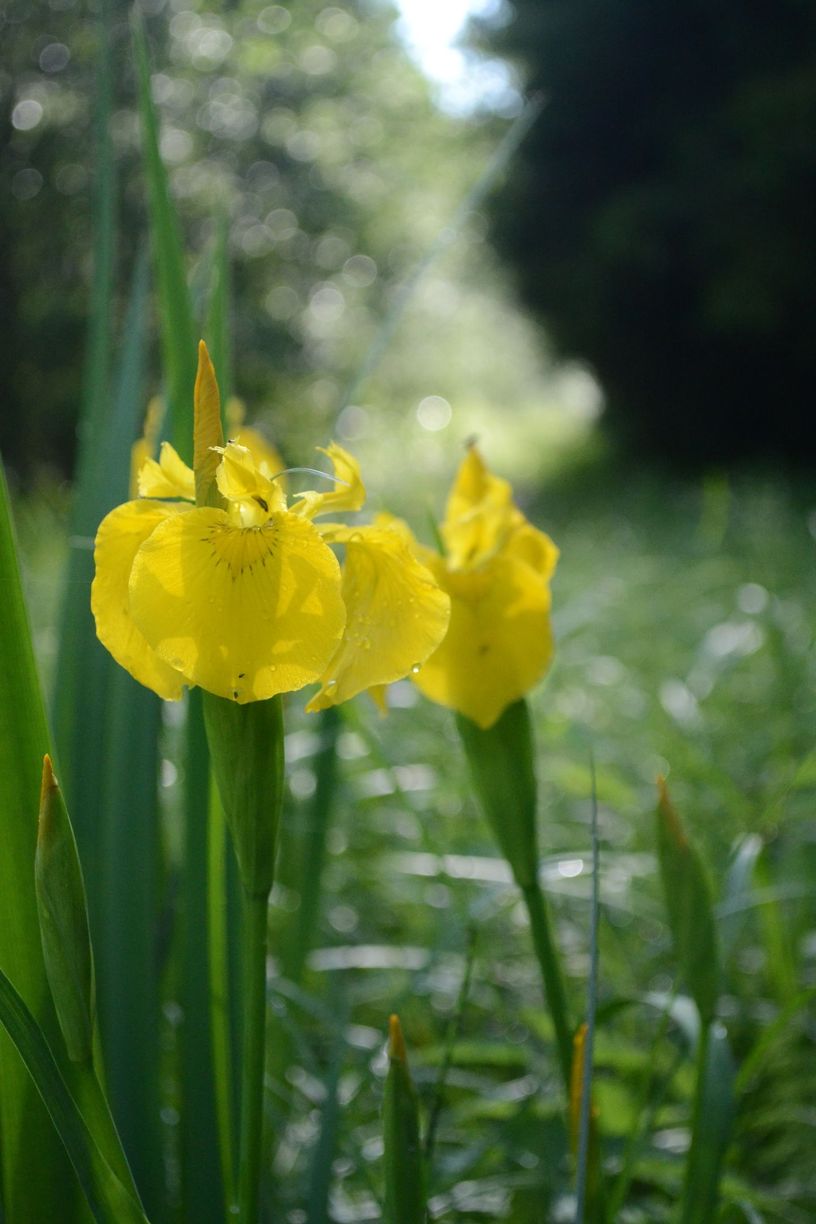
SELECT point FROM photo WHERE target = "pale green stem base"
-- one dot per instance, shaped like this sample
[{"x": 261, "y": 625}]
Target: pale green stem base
[{"x": 253, "y": 1057}]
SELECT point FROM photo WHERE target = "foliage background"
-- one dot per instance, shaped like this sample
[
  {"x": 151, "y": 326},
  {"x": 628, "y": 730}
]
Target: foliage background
[{"x": 683, "y": 610}]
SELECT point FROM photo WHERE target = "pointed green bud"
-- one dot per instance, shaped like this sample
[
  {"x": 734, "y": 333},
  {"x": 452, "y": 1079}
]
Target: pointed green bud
[
  {"x": 405, "y": 1200},
  {"x": 501, "y": 767},
  {"x": 207, "y": 431},
  {"x": 246, "y": 749},
  {"x": 63, "y": 915}
]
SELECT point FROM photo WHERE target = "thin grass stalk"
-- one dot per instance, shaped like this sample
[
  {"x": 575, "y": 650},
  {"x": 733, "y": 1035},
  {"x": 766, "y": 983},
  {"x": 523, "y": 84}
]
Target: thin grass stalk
[
  {"x": 585, "y": 1176},
  {"x": 253, "y": 1056}
]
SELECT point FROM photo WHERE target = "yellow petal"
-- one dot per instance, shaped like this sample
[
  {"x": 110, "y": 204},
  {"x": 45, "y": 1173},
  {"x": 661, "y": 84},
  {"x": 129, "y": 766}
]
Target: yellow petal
[
  {"x": 396, "y": 614},
  {"x": 499, "y": 642},
  {"x": 348, "y": 494},
  {"x": 533, "y": 546},
  {"x": 266, "y": 457},
  {"x": 479, "y": 513},
  {"x": 244, "y": 612},
  {"x": 254, "y": 496},
  {"x": 145, "y": 447},
  {"x": 170, "y": 477},
  {"x": 120, "y": 536}
]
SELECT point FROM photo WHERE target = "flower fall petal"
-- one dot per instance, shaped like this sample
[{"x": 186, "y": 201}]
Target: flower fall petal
[
  {"x": 121, "y": 534},
  {"x": 244, "y": 612}
]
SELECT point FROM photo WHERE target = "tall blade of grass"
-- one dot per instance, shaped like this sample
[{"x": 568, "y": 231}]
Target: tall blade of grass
[
  {"x": 689, "y": 905},
  {"x": 322, "y": 1159},
  {"x": 81, "y": 664},
  {"x": 778, "y": 944},
  {"x": 201, "y": 1163},
  {"x": 711, "y": 1128},
  {"x": 218, "y": 315},
  {"x": 109, "y": 1200},
  {"x": 405, "y": 1201},
  {"x": 29, "y": 1146},
  {"x": 311, "y": 855},
  {"x": 176, "y": 323}
]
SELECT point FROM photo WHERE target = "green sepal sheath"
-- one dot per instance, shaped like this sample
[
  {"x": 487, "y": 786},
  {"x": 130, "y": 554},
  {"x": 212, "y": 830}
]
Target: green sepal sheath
[
  {"x": 501, "y": 761},
  {"x": 689, "y": 906},
  {"x": 63, "y": 915},
  {"x": 405, "y": 1201},
  {"x": 246, "y": 749}
]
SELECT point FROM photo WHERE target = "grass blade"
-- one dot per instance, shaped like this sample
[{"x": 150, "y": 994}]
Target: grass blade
[
  {"x": 177, "y": 327},
  {"x": 689, "y": 906},
  {"x": 711, "y": 1129},
  {"x": 404, "y": 1167},
  {"x": 29, "y": 1143}
]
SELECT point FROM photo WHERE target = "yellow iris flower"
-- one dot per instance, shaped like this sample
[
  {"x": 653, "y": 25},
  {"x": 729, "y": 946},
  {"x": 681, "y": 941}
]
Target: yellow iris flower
[
  {"x": 496, "y": 570},
  {"x": 243, "y": 595}
]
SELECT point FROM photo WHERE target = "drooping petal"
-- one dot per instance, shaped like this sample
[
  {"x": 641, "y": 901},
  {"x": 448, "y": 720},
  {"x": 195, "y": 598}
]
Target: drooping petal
[
  {"x": 499, "y": 642},
  {"x": 121, "y": 534},
  {"x": 478, "y": 515},
  {"x": 170, "y": 477},
  {"x": 244, "y": 612},
  {"x": 396, "y": 614},
  {"x": 348, "y": 494}
]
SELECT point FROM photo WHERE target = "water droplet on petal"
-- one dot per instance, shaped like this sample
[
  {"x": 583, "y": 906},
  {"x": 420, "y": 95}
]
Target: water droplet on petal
[
  {"x": 415, "y": 668},
  {"x": 331, "y": 684}
]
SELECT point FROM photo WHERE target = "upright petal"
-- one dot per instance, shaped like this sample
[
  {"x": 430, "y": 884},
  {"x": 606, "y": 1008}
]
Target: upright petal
[
  {"x": 240, "y": 482},
  {"x": 348, "y": 494},
  {"x": 396, "y": 614},
  {"x": 244, "y": 612},
  {"x": 478, "y": 515},
  {"x": 499, "y": 642},
  {"x": 170, "y": 477},
  {"x": 121, "y": 534}
]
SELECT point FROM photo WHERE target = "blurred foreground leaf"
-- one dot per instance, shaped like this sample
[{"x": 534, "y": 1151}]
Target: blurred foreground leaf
[
  {"x": 108, "y": 1199},
  {"x": 29, "y": 1143}
]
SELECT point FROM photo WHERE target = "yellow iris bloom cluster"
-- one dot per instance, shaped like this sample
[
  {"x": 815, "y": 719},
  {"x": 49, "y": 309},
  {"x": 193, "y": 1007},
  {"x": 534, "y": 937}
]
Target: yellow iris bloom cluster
[
  {"x": 496, "y": 568},
  {"x": 244, "y": 597}
]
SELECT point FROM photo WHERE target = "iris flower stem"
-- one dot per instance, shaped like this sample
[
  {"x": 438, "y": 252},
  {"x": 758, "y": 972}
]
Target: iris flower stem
[
  {"x": 552, "y": 976},
  {"x": 252, "y": 1062}
]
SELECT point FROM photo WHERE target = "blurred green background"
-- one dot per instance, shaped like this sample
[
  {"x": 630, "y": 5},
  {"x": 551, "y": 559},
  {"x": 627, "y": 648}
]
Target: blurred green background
[{"x": 657, "y": 223}]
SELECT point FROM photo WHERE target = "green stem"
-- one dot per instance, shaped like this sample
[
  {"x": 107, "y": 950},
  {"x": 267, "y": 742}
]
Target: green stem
[
  {"x": 252, "y": 1063},
  {"x": 691, "y": 1212},
  {"x": 552, "y": 976}
]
